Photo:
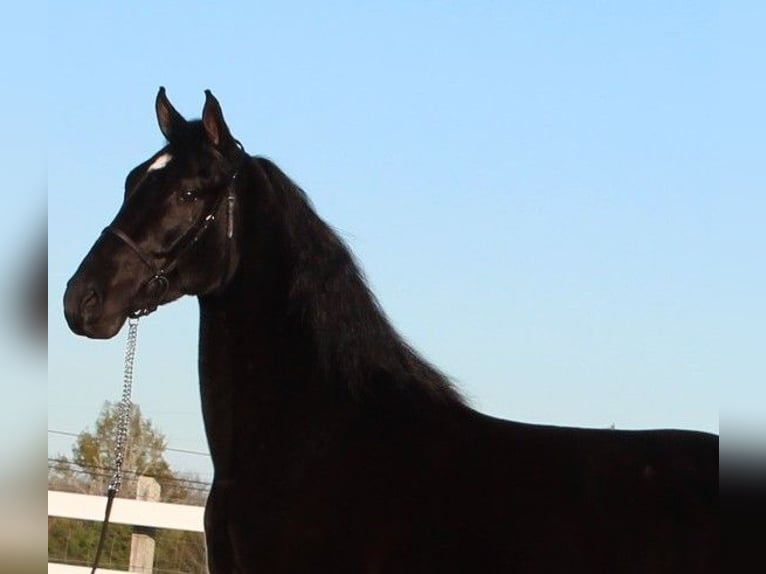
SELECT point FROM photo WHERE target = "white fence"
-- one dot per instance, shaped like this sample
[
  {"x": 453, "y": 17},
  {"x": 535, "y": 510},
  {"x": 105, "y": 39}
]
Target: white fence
[{"x": 124, "y": 511}]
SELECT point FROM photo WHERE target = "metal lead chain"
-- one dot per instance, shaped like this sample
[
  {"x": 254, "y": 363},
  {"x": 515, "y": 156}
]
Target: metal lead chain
[{"x": 121, "y": 434}]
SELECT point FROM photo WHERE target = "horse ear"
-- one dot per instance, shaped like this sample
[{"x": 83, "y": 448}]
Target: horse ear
[
  {"x": 215, "y": 126},
  {"x": 171, "y": 122}
]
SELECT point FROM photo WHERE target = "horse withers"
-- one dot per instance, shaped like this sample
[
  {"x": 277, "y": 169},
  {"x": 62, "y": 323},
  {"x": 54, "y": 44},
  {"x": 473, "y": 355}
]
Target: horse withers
[{"x": 336, "y": 447}]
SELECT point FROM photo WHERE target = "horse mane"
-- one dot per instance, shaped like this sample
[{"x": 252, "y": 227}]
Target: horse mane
[{"x": 329, "y": 301}]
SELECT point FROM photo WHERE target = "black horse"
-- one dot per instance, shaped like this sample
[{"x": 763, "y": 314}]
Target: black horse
[{"x": 336, "y": 447}]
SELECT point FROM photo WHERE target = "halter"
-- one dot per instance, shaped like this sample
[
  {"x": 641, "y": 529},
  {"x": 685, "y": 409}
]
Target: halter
[{"x": 158, "y": 284}]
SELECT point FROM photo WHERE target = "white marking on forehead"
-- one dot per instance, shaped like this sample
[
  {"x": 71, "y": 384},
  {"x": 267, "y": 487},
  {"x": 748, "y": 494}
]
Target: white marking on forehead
[{"x": 160, "y": 162}]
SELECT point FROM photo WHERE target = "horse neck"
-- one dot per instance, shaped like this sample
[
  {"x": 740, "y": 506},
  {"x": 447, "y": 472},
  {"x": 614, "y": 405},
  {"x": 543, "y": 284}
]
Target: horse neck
[
  {"x": 296, "y": 333},
  {"x": 250, "y": 364}
]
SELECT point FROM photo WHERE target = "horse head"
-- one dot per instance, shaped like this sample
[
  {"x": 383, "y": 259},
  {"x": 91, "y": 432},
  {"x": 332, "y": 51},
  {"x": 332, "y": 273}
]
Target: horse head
[{"x": 174, "y": 233}]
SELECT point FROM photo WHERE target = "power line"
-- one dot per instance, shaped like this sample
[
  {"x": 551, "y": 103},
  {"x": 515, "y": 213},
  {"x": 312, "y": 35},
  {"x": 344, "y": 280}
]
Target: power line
[
  {"x": 98, "y": 471},
  {"x": 82, "y": 466},
  {"x": 169, "y": 449}
]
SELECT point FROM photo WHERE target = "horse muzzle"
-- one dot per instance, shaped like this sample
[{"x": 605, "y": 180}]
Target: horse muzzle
[{"x": 84, "y": 311}]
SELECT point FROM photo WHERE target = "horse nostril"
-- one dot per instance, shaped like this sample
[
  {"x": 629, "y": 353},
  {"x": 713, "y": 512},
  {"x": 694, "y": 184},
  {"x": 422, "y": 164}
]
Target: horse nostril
[{"x": 89, "y": 303}]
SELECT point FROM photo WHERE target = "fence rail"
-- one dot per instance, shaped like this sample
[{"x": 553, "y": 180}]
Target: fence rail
[{"x": 124, "y": 511}]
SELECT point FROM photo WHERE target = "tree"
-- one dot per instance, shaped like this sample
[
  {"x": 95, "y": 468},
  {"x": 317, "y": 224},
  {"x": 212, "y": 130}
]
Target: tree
[{"x": 92, "y": 463}]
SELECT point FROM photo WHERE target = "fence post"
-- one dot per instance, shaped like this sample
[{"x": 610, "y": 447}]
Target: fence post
[{"x": 142, "y": 541}]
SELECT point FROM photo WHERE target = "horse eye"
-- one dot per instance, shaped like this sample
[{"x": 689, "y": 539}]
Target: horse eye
[{"x": 189, "y": 194}]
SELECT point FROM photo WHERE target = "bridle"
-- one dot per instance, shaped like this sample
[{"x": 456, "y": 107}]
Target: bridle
[{"x": 158, "y": 284}]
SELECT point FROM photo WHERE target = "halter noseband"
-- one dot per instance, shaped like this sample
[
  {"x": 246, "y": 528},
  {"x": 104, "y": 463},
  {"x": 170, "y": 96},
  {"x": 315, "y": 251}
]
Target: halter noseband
[{"x": 158, "y": 284}]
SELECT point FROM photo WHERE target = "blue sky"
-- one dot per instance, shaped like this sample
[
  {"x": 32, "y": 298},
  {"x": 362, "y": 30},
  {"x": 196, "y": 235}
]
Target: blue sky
[{"x": 539, "y": 193}]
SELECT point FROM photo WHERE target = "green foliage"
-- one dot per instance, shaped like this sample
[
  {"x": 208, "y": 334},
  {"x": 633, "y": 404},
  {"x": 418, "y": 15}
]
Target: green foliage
[
  {"x": 145, "y": 448},
  {"x": 75, "y": 541},
  {"x": 180, "y": 552}
]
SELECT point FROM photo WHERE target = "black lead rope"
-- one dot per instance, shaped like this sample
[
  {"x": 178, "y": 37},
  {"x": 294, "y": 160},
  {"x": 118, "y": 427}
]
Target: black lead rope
[
  {"x": 121, "y": 436},
  {"x": 99, "y": 549}
]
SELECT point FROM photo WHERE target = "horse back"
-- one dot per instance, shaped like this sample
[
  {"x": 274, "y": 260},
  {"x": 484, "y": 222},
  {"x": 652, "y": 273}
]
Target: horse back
[{"x": 586, "y": 500}]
